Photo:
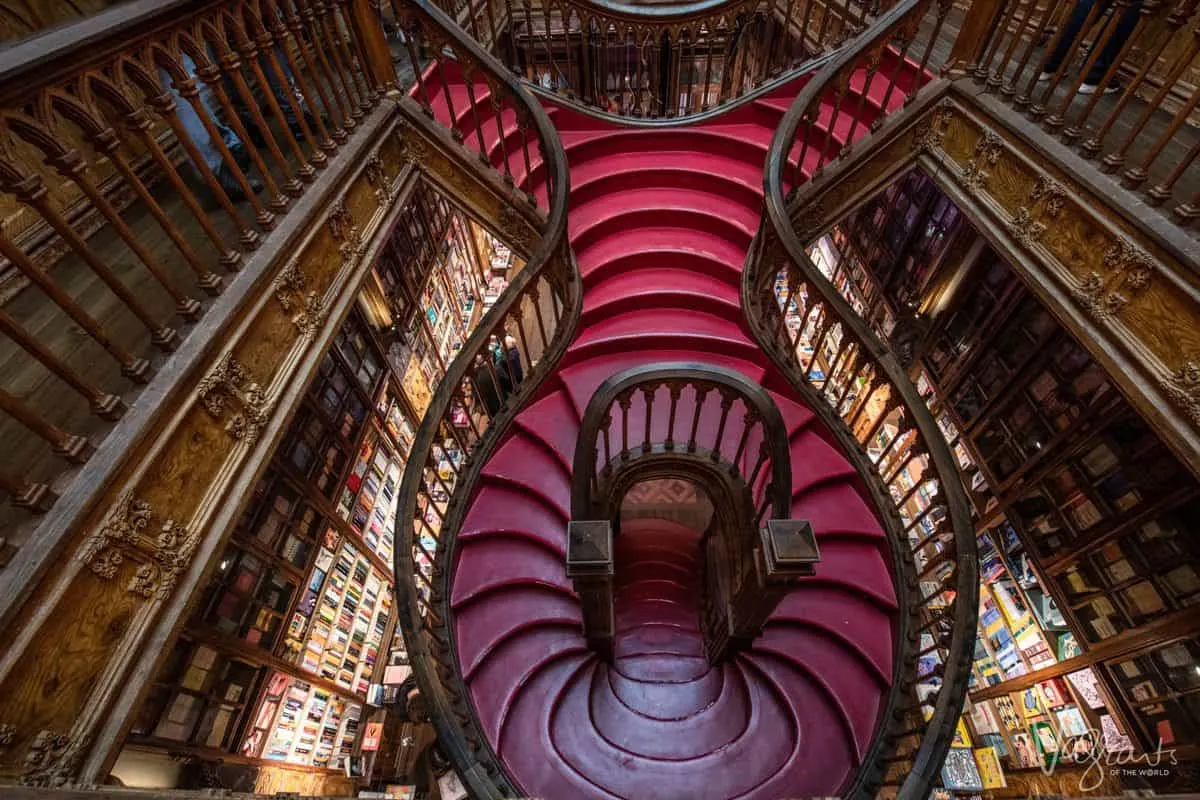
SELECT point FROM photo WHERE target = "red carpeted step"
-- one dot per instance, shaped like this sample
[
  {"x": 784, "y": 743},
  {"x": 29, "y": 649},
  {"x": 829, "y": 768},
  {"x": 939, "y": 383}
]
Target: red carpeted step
[{"x": 660, "y": 221}]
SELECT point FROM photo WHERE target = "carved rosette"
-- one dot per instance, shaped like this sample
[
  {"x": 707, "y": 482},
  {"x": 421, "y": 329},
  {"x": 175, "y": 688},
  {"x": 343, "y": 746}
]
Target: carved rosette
[
  {"x": 306, "y": 307},
  {"x": 230, "y": 384},
  {"x": 127, "y": 530},
  {"x": 1183, "y": 387}
]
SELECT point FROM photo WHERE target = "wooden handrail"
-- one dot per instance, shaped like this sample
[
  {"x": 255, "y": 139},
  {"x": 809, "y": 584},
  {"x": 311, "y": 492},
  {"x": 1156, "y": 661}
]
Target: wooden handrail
[
  {"x": 860, "y": 369},
  {"x": 514, "y": 346},
  {"x": 674, "y": 378}
]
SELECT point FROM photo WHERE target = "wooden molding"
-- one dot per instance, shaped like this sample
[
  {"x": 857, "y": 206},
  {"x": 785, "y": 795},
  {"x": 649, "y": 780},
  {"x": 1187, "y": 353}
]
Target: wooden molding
[{"x": 1126, "y": 294}]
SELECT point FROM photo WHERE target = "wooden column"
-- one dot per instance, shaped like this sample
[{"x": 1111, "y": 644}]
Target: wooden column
[{"x": 785, "y": 552}]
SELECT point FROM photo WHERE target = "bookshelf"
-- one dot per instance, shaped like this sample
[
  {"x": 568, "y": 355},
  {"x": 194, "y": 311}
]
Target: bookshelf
[
  {"x": 287, "y": 650},
  {"x": 1086, "y": 525}
]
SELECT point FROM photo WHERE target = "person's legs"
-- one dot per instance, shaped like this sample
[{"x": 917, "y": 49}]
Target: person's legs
[
  {"x": 1071, "y": 29},
  {"x": 195, "y": 129},
  {"x": 1125, "y": 23}
]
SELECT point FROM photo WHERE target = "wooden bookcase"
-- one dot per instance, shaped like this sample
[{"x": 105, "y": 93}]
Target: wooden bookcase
[
  {"x": 1088, "y": 528},
  {"x": 284, "y": 655}
]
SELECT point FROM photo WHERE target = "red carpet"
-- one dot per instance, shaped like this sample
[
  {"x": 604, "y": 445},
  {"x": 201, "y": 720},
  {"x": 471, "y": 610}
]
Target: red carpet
[{"x": 660, "y": 221}]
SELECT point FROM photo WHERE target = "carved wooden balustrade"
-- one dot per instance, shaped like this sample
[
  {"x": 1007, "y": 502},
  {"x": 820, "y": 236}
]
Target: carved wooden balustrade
[
  {"x": 529, "y": 328},
  {"x": 726, "y": 434},
  {"x": 663, "y": 61},
  {"x": 90, "y": 605},
  {"x": 1117, "y": 82},
  {"x": 856, "y": 382},
  {"x": 144, "y": 155},
  {"x": 678, "y": 61}
]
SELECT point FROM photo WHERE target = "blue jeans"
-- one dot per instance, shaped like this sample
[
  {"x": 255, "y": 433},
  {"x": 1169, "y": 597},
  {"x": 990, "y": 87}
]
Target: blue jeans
[
  {"x": 1112, "y": 48},
  {"x": 194, "y": 126}
]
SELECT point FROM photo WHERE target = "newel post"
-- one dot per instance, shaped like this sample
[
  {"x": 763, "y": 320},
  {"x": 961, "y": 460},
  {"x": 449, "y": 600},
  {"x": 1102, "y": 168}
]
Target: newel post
[
  {"x": 590, "y": 568},
  {"x": 786, "y": 552},
  {"x": 973, "y": 36},
  {"x": 367, "y": 20}
]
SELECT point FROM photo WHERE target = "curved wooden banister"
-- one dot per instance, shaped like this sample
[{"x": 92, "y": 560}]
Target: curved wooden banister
[
  {"x": 532, "y": 322},
  {"x": 754, "y": 552},
  {"x": 938, "y": 555},
  {"x": 636, "y": 62},
  {"x": 672, "y": 379}
]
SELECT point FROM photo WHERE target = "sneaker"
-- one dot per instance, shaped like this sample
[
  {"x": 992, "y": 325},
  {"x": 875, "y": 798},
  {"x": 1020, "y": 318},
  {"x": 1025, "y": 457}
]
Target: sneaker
[
  {"x": 1091, "y": 88},
  {"x": 231, "y": 186},
  {"x": 1045, "y": 76}
]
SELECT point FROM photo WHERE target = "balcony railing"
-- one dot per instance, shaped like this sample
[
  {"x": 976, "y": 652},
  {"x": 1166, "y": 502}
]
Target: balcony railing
[
  {"x": 144, "y": 156},
  {"x": 514, "y": 347},
  {"x": 1115, "y": 81},
  {"x": 831, "y": 355},
  {"x": 663, "y": 61}
]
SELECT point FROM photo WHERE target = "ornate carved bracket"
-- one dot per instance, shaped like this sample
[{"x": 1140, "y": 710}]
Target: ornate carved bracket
[
  {"x": 52, "y": 761},
  {"x": 306, "y": 307},
  {"x": 1183, "y": 387},
  {"x": 127, "y": 530},
  {"x": 976, "y": 171},
  {"x": 230, "y": 383}
]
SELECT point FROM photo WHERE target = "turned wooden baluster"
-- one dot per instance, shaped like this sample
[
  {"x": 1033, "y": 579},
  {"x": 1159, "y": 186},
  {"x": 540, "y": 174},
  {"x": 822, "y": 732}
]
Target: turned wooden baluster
[
  {"x": 701, "y": 393},
  {"x": 727, "y": 398},
  {"x": 750, "y": 420},
  {"x": 567, "y": 13},
  {"x": 210, "y": 73},
  {"x": 136, "y": 369},
  {"x": 275, "y": 21},
  {"x": 297, "y": 27},
  {"x": 268, "y": 49},
  {"x": 1116, "y": 159},
  {"x": 330, "y": 76},
  {"x": 330, "y": 13},
  {"x": 162, "y": 100},
  {"x": 497, "y": 114},
  {"x": 107, "y": 143},
  {"x": 625, "y": 402},
  {"x": 648, "y": 399},
  {"x": 35, "y": 497},
  {"x": 103, "y": 404},
  {"x": 69, "y": 447},
  {"x": 526, "y": 182},
  {"x": 674, "y": 389},
  {"x": 31, "y": 190},
  {"x": 69, "y": 162},
  {"x": 237, "y": 60},
  {"x": 1006, "y": 14}
]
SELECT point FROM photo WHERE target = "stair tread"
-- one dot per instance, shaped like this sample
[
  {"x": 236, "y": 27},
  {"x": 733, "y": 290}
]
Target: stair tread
[{"x": 660, "y": 223}]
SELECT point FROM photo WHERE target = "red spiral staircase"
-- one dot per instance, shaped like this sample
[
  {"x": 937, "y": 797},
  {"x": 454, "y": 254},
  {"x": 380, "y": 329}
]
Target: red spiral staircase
[{"x": 660, "y": 221}]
